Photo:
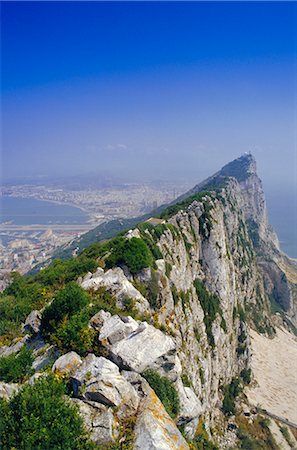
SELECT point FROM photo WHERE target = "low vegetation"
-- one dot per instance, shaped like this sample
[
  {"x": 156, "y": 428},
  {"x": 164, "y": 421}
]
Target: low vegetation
[
  {"x": 201, "y": 439},
  {"x": 184, "y": 204},
  {"x": 15, "y": 368},
  {"x": 210, "y": 304},
  {"x": 255, "y": 435},
  {"x": 65, "y": 321},
  {"x": 165, "y": 390},
  {"x": 232, "y": 391},
  {"x": 38, "y": 417},
  {"x": 27, "y": 293},
  {"x": 134, "y": 253}
]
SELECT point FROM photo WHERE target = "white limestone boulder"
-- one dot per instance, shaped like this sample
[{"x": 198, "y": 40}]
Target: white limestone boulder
[
  {"x": 115, "y": 281},
  {"x": 67, "y": 363},
  {"x": 98, "y": 420},
  {"x": 117, "y": 328},
  {"x": 147, "y": 347},
  {"x": 154, "y": 429},
  {"x": 99, "y": 318},
  {"x": 99, "y": 380},
  {"x": 33, "y": 322},
  {"x": 7, "y": 390},
  {"x": 15, "y": 347},
  {"x": 190, "y": 405}
]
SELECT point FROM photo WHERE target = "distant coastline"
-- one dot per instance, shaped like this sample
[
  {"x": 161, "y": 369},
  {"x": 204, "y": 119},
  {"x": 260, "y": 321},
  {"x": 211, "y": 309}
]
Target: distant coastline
[
  {"x": 74, "y": 205},
  {"x": 41, "y": 212}
]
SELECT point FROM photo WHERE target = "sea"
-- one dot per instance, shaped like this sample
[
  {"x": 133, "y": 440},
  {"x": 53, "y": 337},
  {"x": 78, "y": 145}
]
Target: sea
[
  {"x": 282, "y": 215},
  {"x": 28, "y": 211},
  {"x": 282, "y": 211}
]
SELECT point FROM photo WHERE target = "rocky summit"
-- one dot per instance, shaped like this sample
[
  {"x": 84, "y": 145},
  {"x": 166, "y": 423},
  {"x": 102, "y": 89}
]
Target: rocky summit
[{"x": 151, "y": 340}]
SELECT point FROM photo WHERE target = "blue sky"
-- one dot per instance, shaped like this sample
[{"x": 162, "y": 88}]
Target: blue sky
[{"x": 154, "y": 90}]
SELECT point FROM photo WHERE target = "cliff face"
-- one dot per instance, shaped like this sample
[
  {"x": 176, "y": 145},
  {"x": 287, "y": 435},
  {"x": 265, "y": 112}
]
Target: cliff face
[
  {"x": 210, "y": 287},
  {"x": 194, "y": 280}
]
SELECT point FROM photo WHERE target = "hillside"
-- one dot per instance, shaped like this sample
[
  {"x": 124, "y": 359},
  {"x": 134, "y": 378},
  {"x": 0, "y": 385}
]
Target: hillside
[{"x": 149, "y": 332}]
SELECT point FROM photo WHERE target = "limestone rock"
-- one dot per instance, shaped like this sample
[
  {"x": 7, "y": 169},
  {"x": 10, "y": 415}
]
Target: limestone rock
[
  {"x": 15, "y": 347},
  {"x": 99, "y": 380},
  {"x": 117, "y": 328},
  {"x": 98, "y": 420},
  {"x": 133, "y": 233},
  {"x": 99, "y": 318},
  {"x": 7, "y": 390},
  {"x": 45, "y": 357},
  {"x": 33, "y": 322},
  {"x": 117, "y": 283},
  {"x": 154, "y": 429},
  {"x": 36, "y": 376},
  {"x": 190, "y": 405},
  {"x": 143, "y": 349},
  {"x": 67, "y": 363}
]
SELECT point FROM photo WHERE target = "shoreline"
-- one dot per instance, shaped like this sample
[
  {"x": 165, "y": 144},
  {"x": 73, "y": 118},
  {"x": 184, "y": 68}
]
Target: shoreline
[{"x": 89, "y": 215}]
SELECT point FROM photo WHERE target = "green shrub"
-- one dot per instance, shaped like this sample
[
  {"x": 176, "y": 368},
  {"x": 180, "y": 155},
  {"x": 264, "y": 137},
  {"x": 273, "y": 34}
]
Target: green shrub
[
  {"x": 210, "y": 304},
  {"x": 14, "y": 368},
  {"x": 284, "y": 430},
  {"x": 40, "y": 418},
  {"x": 133, "y": 252},
  {"x": 186, "y": 381},
  {"x": 16, "y": 302},
  {"x": 69, "y": 300},
  {"x": 153, "y": 289},
  {"x": 232, "y": 390},
  {"x": 201, "y": 440},
  {"x": 72, "y": 332},
  {"x": 60, "y": 272},
  {"x": 27, "y": 293},
  {"x": 184, "y": 204},
  {"x": 74, "y": 335},
  {"x": 168, "y": 269},
  {"x": 174, "y": 295},
  {"x": 246, "y": 375},
  {"x": 165, "y": 390}
]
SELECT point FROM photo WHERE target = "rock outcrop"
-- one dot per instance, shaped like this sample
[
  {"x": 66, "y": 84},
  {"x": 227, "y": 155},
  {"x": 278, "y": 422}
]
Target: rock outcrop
[
  {"x": 67, "y": 363},
  {"x": 99, "y": 380},
  {"x": 154, "y": 429},
  {"x": 115, "y": 281},
  {"x": 215, "y": 266}
]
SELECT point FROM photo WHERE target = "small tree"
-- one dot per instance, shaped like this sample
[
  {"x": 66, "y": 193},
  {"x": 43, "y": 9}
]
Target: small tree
[{"x": 40, "y": 418}]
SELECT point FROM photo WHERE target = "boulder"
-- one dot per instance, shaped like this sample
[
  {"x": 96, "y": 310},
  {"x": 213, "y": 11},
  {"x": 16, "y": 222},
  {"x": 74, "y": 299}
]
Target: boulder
[
  {"x": 133, "y": 233},
  {"x": 190, "y": 405},
  {"x": 67, "y": 363},
  {"x": 115, "y": 281},
  {"x": 147, "y": 347},
  {"x": 33, "y": 322},
  {"x": 45, "y": 357},
  {"x": 99, "y": 380},
  {"x": 7, "y": 390},
  {"x": 117, "y": 328},
  {"x": 98, "y": 319},
  {"x": 98, "y": 420},
  {"x": 154, "y": 429},
  {"x": 15, "y": 347}
]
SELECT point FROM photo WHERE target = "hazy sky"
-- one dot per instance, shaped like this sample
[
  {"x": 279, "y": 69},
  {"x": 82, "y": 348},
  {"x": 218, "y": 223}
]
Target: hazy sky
[{"x": 159, "y": 90}]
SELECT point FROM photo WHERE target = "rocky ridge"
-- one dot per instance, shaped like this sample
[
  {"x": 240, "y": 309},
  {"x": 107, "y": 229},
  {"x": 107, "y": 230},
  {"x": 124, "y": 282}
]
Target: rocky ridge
[{"x": 216, "y": 266}]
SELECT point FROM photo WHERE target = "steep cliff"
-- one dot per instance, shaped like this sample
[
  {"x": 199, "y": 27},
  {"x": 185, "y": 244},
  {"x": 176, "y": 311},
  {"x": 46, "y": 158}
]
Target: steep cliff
[{"x": 171, "y": 304}]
